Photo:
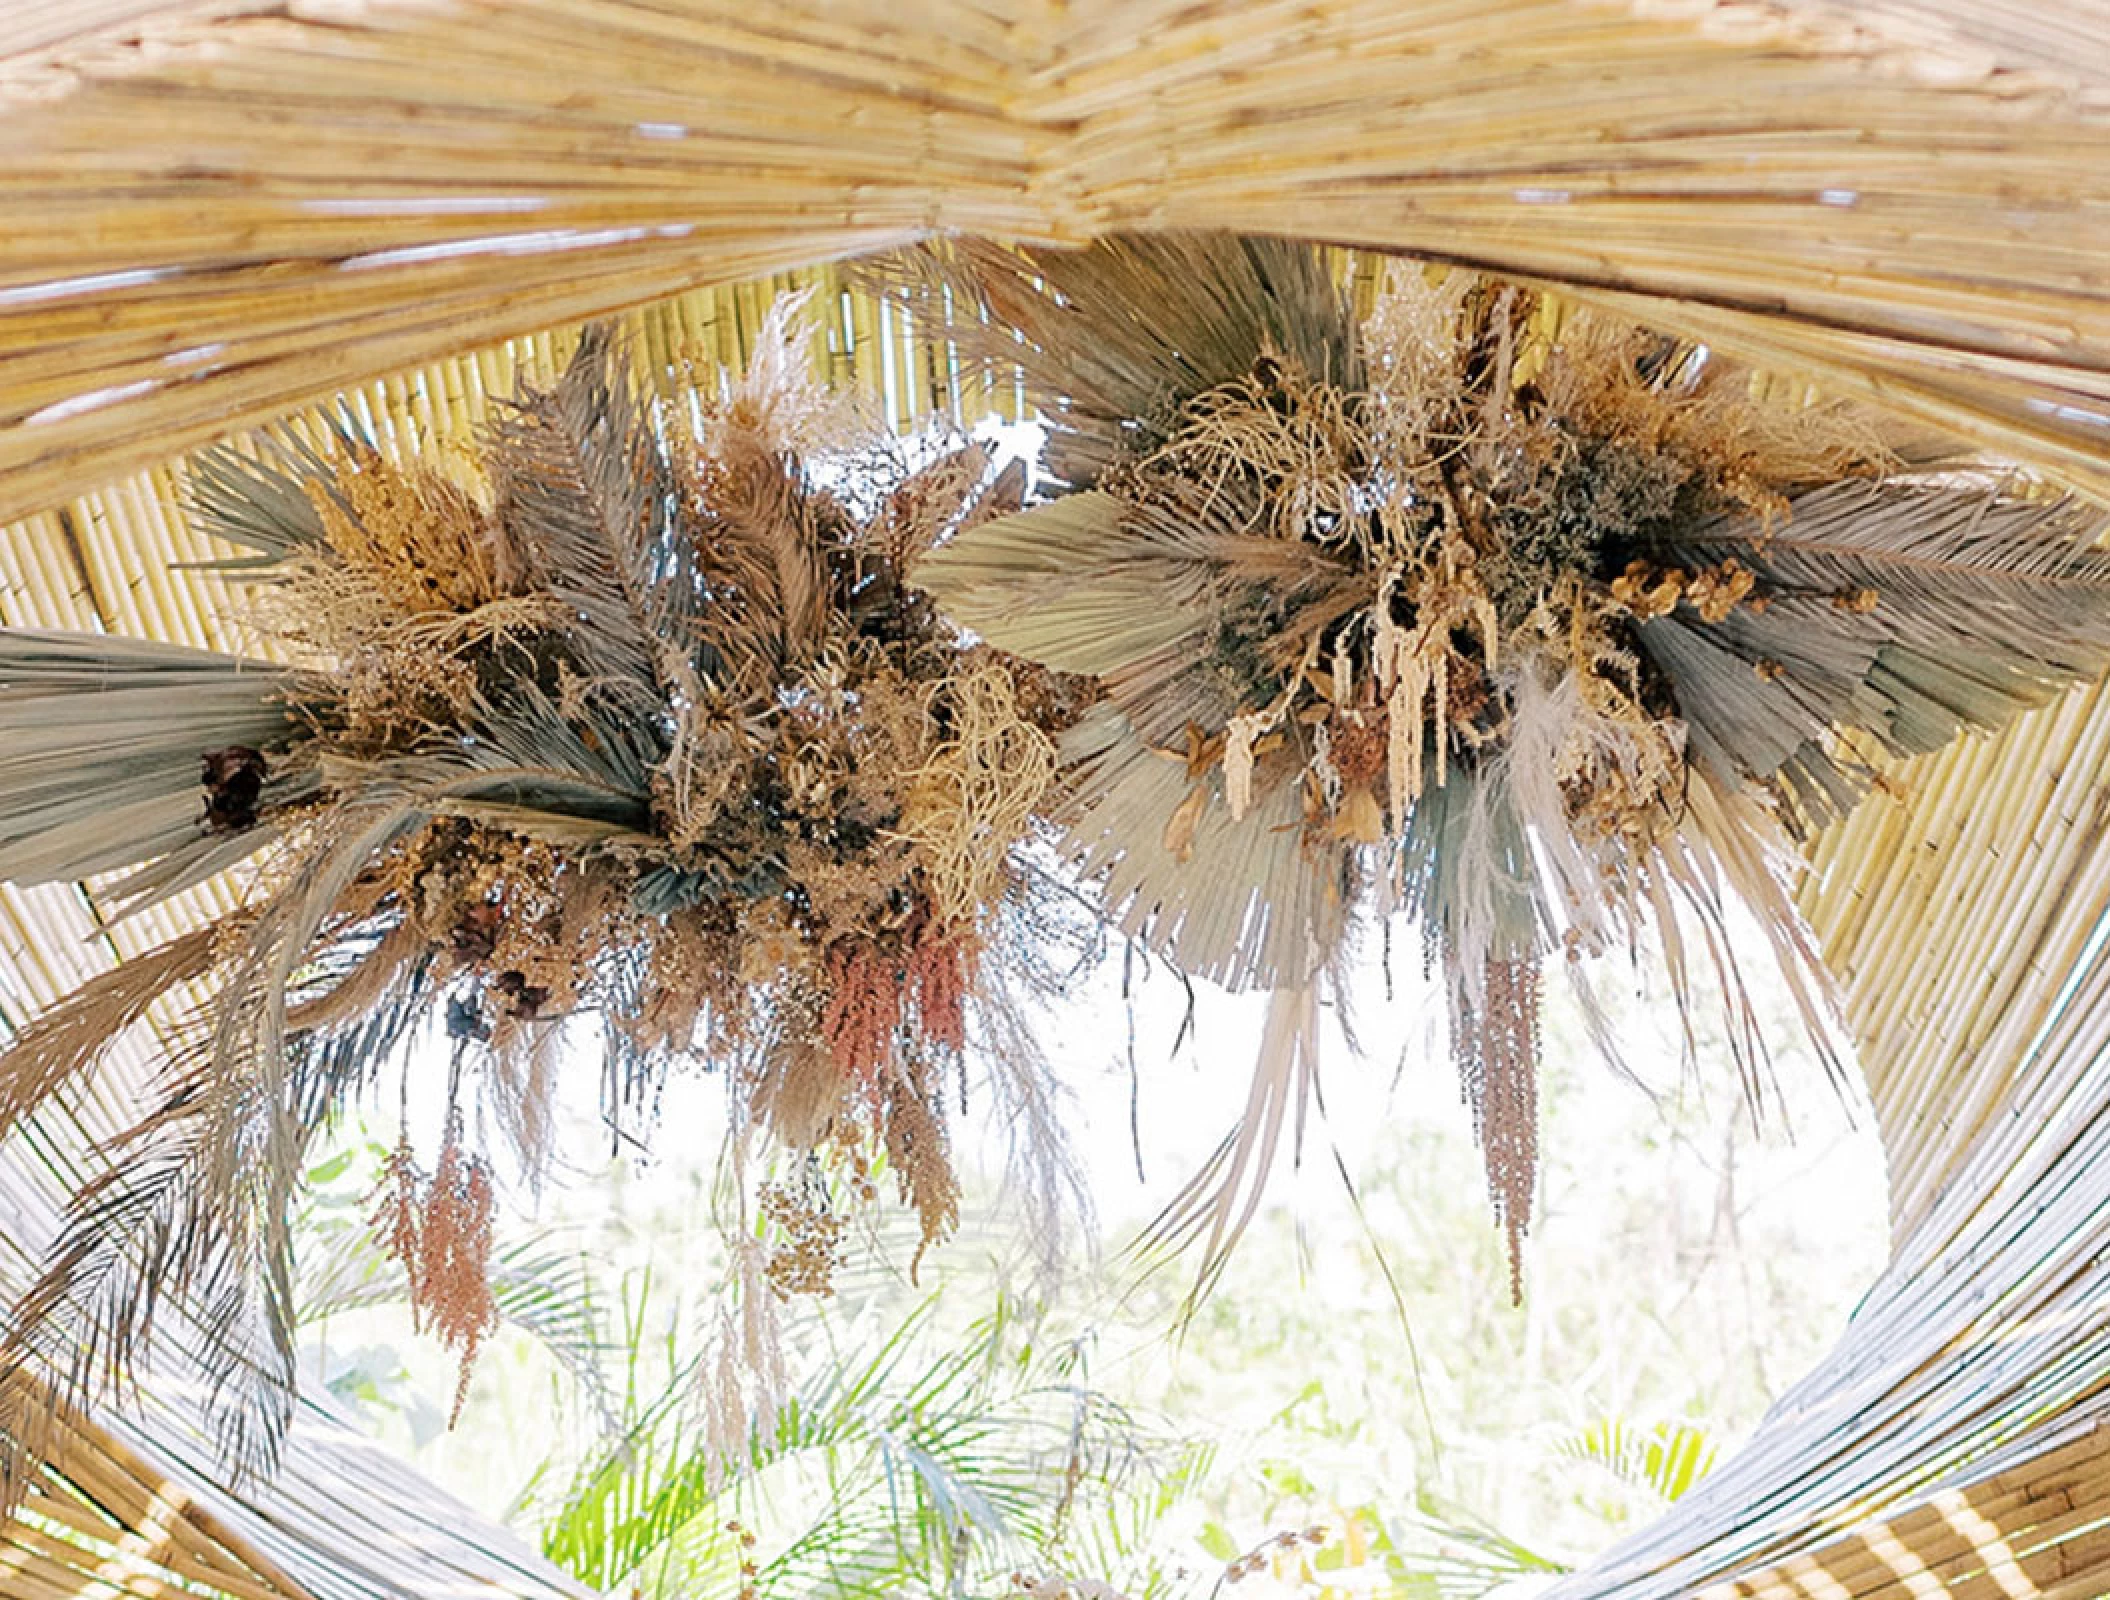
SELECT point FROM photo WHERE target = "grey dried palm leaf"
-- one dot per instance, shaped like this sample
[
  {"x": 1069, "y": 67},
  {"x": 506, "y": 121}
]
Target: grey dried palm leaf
[
  {"x": 100, "y": 742},
  {"x": 1908, "y": 610},
  {"x": 588, "y": 496},
  {"x": 1111, "y": 340},
  {"x": 1215, "y": 1205}
]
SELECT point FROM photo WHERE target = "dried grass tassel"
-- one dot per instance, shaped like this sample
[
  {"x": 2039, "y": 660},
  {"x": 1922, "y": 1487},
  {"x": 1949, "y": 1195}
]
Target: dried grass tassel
[{"x": 1496, "y": 1046}]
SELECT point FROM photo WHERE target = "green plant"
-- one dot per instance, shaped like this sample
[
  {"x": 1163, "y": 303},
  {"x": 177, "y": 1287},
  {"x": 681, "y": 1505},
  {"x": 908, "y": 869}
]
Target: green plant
[
  {"x": 1666, "y": 1459},
  {"x": 910, "y": 1462}
]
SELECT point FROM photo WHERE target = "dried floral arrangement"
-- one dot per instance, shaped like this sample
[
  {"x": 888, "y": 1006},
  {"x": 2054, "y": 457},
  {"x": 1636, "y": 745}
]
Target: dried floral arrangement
[
  {"x": 1356, "y": 594},
  {"x": 1535, "y": 627},
  {"x": 657, "y": 731}
]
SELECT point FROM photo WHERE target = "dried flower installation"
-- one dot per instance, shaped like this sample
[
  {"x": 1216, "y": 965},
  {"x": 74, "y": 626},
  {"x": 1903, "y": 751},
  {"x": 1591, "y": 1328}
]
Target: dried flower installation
[
  {"x": 1538, "y": 628},
  {"x": 657, "y": 732},
  {"x": 438, "y": 1229}
]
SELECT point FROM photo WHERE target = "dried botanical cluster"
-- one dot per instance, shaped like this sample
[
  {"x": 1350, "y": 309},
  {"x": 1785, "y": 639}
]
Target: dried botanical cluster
[
  {"x": 750, "y": 1568},
  {"x": 810, "y": 1237},
  {"x": 1537, "y": 627},
  {"x": 1357, "y": 590},
  {"x": 658, "y": 732}
]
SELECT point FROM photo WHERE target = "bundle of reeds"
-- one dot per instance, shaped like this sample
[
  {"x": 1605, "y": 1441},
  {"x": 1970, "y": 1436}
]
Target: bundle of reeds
[{"x": 1905, "y": 198}]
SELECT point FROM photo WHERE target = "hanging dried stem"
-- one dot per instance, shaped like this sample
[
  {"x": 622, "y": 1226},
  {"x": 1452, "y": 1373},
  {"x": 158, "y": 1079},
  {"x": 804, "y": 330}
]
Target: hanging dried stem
[
  {"x": 439, "y": 1230},
  {"x": 941, "y": 976},
  {"x": 1496, "y": 1045},
  {"x": 917, "y": 1148},
  {"x": 865, "y": 1002}
]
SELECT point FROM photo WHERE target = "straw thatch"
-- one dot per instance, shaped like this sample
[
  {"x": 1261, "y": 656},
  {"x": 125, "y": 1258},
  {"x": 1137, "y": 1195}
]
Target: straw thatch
[
  {"x": 217, "y": 211},
  {"x": 101, "y": 1515},
  {"x": 2031, "y": 1529}
]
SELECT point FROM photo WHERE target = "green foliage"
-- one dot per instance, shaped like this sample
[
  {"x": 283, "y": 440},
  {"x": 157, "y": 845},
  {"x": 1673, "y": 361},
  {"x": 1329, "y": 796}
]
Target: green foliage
[
  {"x": 1463, "y": 1558},
  {"x": 1682, "y": 1261},
  {"x": 888, "y": 1470},
  {"x": 1666, "y": 1459}
]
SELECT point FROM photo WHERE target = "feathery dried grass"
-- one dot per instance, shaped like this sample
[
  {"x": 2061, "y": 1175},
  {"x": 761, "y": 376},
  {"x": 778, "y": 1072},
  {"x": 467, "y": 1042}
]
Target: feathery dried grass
[{"x": 64, "y": 1043}]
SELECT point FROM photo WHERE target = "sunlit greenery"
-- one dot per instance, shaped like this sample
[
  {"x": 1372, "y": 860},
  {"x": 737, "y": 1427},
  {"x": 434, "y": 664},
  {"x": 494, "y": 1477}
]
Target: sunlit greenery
[{"x": 1359, "y": 1369}]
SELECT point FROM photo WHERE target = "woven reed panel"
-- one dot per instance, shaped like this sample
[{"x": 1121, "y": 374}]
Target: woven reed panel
[{"x": 214, "y": 214}]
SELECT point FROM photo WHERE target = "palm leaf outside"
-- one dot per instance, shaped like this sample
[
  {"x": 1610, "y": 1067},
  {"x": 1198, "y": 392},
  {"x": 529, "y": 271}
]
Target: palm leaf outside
[{"x": 886, "y": 1470}]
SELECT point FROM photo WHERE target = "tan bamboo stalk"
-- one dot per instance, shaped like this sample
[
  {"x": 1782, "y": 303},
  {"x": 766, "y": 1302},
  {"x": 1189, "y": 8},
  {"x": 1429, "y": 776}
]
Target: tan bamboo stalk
[{"x": 1908, "y": 205}]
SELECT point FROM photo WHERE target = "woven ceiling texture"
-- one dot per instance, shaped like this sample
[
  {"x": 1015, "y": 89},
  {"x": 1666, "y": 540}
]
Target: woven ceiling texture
[{"x": 218, "y": 213}]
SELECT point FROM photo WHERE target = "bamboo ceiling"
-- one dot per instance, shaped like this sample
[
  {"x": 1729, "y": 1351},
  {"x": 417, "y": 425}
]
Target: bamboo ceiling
[
  {"x": 214, "y": 212},
  {"x": 101, "y": 1517},
  {"x": 218, "y": 212}
]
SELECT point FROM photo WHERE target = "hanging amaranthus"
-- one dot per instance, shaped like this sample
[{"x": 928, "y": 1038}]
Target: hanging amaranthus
[{"x": 438, "y": 1229}]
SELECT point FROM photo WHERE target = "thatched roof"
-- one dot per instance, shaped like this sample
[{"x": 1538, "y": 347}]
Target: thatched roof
[{"x": 216, "y": 212}]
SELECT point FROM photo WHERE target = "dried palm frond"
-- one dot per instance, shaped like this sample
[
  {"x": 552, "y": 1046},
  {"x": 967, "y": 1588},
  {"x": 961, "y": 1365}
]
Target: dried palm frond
[
  {"x": 1214, "y": 1206},
  {"x": 659, "y": 730},
  {"x": 68, "y": 1039},
  {"x": 101, "y": 744},
  {"x": 1534, "y": 626},
  {"x": 1112, "y": 341},
  {"x": 1907, "y": 609}
]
